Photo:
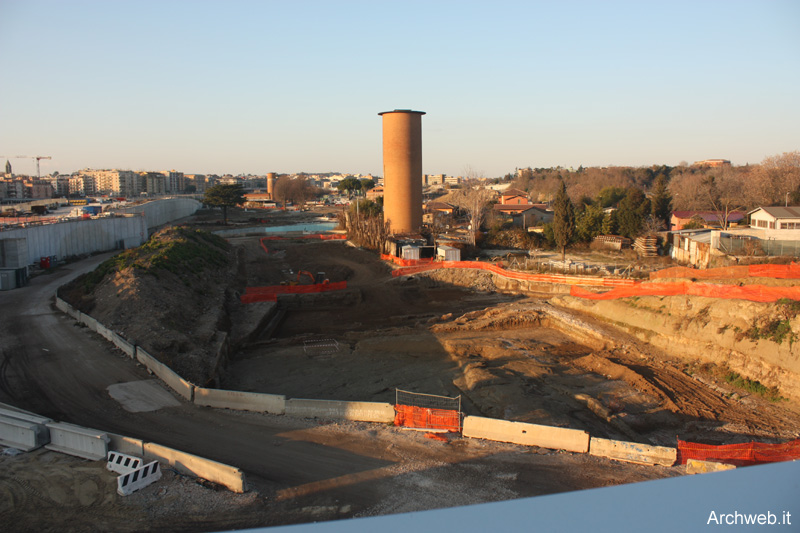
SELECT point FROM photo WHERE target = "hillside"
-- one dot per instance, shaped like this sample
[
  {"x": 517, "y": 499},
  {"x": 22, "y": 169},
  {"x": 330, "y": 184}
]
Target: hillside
[{"x": 169, "y": 296}]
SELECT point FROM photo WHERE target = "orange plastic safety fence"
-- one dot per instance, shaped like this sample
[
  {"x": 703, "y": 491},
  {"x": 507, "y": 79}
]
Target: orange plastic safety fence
[
  {"x": 791, "y": 271},
  {"x": 753, "y": 293},
  {"x": 425, "y": 418},
  {"x": 745, "y": 454},
  {"x": 269, "y": 293}
]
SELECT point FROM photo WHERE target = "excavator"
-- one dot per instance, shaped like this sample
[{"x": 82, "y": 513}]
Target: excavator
[{"x": 319, "y": 279}]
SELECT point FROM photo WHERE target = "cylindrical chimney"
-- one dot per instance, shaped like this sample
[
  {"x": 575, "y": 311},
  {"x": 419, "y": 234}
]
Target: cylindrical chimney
[
  {"x": 402, "y": 170},
  {"x": 271, "y": 185}
]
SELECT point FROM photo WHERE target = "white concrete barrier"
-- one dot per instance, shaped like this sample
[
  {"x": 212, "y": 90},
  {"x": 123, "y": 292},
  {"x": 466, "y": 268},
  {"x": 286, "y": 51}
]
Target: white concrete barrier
[
  {"x": 633, "y": 452},
  {"x": 20, "y": 414},
  {"x": 75, "y": 440},
  {"x": 361, "y": 411},
  {"x": 126, "y": 445},
  {"x": 186, "y": 463},
  {"x": 242, "y": 401},
  {"x": 138, "y": 479},
  {"x": 165, "y": 374},
  {"x": 22, "y": 434},
  {"x": 122, "y": 463},
  {"x": 572, "y": 440}
]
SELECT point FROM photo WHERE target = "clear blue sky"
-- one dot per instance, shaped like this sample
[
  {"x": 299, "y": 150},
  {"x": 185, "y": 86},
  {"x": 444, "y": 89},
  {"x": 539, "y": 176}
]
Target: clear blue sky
[{"x": 252, "y": 87}]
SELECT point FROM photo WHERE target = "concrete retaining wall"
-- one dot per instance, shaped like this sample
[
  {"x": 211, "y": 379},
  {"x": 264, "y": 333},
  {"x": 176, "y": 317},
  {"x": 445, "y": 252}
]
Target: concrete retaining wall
[
  {"x": 633, "y": 452},
  {"x": 165, "y": 374},
  {"x": 77, "y": 237},
  {"x": 229, "y": 476},
  {"x": 159, "y": 212},
  {"x": 124, "y": 345},
  {"x": 243, "y": 401},
  {"x": 89, "y": 322},
  {"x": 360, "y": 411},
  {"x": 572, "y": 440},
  {"x": 68, "y": 309},
  {"x": 75, "y": 440}
]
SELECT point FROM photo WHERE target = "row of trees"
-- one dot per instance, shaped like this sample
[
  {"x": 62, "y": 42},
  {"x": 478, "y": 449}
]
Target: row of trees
[{"x": 775, "y": 181}]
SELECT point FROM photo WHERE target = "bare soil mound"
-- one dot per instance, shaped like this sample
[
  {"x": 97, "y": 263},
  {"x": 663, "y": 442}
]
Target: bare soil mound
[{"x": 169, "y": 296}]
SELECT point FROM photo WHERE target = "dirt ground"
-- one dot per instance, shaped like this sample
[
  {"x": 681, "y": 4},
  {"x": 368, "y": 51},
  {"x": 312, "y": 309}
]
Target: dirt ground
[
  {"x": 506, "y": 356},
  {"x": 449, "y": 333}
]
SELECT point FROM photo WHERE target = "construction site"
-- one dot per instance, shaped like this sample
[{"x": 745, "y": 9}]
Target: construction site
[{"x": 327, "y": 381}]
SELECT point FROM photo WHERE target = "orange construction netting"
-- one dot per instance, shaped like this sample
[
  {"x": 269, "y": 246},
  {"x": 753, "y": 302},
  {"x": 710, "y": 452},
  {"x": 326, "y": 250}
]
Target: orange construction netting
[
  {"x": 270, "y": 293},
  {"x": 791, "y": 271},
  {"x": 753, "y": 293},
  {"x": 745, "y": 454},
  {"x": 425, "y": 418}
]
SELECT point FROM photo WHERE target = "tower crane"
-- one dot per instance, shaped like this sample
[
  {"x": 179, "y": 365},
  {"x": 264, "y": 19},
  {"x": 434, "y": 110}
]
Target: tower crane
[{"x": 36, "y": 157}]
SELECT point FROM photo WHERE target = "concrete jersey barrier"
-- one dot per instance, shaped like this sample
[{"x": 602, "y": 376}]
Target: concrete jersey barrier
[
  {"x": 633, "y": 452},
  {"x": 359, "y": 411},
  {"x": 242, "y": 401},
  {"x": 23, "y": 435},
  {"x": 572, "y": 440},
  {"x": 186, "y": 463},
  {"x": 80, "y": 442}
]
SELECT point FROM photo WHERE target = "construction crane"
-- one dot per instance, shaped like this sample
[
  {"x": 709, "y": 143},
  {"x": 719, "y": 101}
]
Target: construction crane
[{"x": 36, "y": 157}]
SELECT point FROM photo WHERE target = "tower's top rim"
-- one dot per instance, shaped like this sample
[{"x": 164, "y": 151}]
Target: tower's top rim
[{"x": 402, "y": 111}]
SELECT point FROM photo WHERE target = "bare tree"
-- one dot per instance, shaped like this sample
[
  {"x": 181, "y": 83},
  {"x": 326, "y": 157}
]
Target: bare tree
[
  {"x": 726, "y": 193},
  {"x": 474, "y": 202}
]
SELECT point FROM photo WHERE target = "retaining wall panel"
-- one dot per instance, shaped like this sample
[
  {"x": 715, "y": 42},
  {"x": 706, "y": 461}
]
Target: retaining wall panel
[
  {"x": 359, "y": 411},
  {"x": 123, "y": 345},
  {"x": 165, "y": 374},
  {"x": 242, "y": 401},
  {"x": 89, "y": 322},
  {"x": 633, "y": 452},
  {"x": 105, "y": 332},
  {"x": 572, "y": 440},
  {"x": 186, "y": 463}
]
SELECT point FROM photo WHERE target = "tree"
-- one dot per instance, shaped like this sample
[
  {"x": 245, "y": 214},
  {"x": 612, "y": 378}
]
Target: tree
[
  {"x": 726, "y": 193},
  {"x": 474, "y": 202},
  {"x": 224, "y": 196},
  {"x": 563, "y": 220},
  {"x": 610, "y": 196},
  {"x": 589, "y": 223},
  {"x": 632, "y": 212},
  {"x": 661, "y": 201},
  {"x": 350, "y": 185},
  {"x": 610, "y": 224}
]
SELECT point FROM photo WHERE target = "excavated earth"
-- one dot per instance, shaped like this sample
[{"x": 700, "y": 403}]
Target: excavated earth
[{"x": 508, "y": 356}]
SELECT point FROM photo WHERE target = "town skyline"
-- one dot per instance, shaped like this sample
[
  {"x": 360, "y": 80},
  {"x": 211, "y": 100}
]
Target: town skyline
[{"x": 253, "y": 87}]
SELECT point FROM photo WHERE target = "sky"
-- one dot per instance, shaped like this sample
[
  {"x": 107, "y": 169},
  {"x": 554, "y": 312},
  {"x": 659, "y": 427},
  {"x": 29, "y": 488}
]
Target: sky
[{"x": 250, "y": 87}]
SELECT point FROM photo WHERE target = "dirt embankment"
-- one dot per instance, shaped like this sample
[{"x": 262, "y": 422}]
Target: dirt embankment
[
  {"x": 756, "y": 340},
  {"x": 173, "y": 296}
]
